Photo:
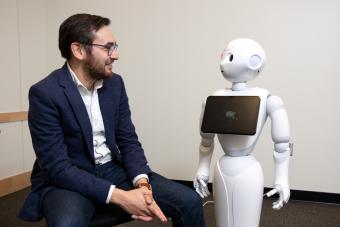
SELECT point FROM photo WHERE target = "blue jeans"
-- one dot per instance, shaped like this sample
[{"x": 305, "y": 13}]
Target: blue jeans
[{"x": 64, "y": 208}]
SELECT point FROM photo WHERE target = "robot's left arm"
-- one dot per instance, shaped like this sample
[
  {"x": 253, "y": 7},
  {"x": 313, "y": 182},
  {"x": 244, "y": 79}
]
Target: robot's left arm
[
  {"x": 206, "y": 149},
  {"x": 282, "y": 149}
]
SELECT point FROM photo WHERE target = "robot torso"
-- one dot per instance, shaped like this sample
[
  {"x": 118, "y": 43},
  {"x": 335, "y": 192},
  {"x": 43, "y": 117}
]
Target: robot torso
[{"x": 241, "y": 145}]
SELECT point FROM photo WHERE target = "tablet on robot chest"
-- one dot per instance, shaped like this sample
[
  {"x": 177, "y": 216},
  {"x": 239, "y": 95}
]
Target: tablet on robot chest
[{"x": 231, "y": 115}]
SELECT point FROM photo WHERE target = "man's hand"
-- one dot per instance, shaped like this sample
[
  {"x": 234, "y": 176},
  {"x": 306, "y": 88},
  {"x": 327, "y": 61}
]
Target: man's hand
[{"x": 139, "y": 203}]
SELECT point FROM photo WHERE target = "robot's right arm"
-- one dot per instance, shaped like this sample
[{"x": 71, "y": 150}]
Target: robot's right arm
[
  {"x": 206, "y": 148},
  {"x": 282, "y": 150}
]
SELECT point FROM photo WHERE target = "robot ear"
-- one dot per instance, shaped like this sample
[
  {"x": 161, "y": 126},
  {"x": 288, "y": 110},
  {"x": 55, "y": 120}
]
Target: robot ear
[{"x": 255, "y": 62}]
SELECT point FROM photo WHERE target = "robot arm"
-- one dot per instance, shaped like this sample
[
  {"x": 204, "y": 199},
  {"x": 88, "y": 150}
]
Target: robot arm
[
  {"x": 282, "y": 149},
  {"x": 206, "y": 148}
]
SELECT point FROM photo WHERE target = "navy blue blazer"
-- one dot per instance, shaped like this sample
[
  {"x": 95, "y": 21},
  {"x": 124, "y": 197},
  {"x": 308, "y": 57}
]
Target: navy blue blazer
[{"x": 62, "y": 139}]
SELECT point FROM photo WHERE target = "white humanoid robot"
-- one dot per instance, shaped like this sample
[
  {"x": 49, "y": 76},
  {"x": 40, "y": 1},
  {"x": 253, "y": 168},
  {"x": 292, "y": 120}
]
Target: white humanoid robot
[{"x": 238, "y": 177}]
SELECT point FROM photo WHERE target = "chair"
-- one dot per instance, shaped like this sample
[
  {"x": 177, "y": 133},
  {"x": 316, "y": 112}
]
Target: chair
[{"x": 104, "y": 219}]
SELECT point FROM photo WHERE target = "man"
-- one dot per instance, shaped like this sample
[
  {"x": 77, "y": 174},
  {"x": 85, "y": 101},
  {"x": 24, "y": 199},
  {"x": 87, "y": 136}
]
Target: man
[{"x": 88, "y": 154}]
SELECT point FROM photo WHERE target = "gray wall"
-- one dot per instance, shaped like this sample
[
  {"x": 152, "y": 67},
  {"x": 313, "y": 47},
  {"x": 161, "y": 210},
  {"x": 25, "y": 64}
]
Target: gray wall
[{"x": 169, "y": 58}]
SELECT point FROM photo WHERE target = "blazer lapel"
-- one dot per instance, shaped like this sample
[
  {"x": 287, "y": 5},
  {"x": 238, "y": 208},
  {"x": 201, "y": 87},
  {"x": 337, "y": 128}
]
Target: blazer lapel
[
  {"x": 107, "y": 110},
  {"x": 78, "y": 107},
  {"x": 108, "y": 107}
]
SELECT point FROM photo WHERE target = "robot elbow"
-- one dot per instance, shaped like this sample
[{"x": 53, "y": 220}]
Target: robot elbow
[
  {"x": 207, "y": 145},
  {"x": 281, "y": 147}
]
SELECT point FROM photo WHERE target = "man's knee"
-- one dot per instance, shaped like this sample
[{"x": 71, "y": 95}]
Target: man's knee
[
  {"x": 66, "y": 208},
  {"x": 192, "y": 213},
  {"x": 193, "y": 200},
  {"x": 67, "y": 220}
]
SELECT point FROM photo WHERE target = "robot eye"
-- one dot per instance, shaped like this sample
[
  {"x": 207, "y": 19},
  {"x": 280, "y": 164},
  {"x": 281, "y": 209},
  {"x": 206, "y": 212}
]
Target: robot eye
[{"x": 231, "y": 57}]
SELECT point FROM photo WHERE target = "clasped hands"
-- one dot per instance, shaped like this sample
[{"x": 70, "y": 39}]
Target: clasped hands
[
  {"x": 149, "y": 207},
  {"x": 139, "y": 203}
]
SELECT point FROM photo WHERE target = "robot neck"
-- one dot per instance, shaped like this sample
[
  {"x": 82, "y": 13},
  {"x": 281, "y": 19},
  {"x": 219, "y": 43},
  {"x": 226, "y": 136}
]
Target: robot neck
[{"x": 239, "y": 86}]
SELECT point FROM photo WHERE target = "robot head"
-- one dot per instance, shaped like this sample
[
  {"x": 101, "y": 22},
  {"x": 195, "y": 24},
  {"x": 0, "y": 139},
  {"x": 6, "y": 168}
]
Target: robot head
[{"x": 242, "y": 60}]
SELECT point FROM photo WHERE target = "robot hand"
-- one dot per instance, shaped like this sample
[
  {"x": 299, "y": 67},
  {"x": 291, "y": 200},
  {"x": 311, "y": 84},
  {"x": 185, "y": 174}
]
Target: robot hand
[
  {"x": 201, "y": 185},
  {"x": 284, "y": 194},
  {"x": 281, "y": 185}
]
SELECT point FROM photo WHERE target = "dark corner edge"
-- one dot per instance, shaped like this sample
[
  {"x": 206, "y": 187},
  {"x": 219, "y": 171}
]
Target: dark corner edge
[{"x": 301, "y": 195}]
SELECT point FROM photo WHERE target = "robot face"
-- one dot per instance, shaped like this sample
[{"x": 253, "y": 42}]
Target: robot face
[{"x": 242, "y": 60}]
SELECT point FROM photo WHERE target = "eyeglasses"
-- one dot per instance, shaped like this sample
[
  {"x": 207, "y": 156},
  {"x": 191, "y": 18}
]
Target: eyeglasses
[{"x": 110, "y": 47}]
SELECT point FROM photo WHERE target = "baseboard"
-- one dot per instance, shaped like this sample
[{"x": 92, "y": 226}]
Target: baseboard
[
  {"x": 311, "y": 196},
  {"x": 14, "y": 183},
  {"x": 22, "y": 180}
]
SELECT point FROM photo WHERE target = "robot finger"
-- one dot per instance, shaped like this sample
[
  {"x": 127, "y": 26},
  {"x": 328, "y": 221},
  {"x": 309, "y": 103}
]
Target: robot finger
[
  {"x": 196, "y": 183},
  {"x": 202, "y": 183},
  {"x": 206, "y": 192},
  {"x": 271, "y": 192},
  {"x": 199, "y": 192},
  {"x": 278, "y": 204},
  {"x": 202, "y": 190},
  {"x": 281, "y": 196}
]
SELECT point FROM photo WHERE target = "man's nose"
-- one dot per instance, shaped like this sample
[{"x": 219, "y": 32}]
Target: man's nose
[{"x": 114, "y": 55}]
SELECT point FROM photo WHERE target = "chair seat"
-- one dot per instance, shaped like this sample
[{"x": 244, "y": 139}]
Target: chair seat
[{"x": 101, "y": 219}]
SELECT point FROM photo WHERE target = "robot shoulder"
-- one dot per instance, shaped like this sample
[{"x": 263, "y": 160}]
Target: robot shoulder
[
  {"x": 261, "y": 91},
  {"x": 221, "y": 92},
  {"x": 274, "y": 103}
]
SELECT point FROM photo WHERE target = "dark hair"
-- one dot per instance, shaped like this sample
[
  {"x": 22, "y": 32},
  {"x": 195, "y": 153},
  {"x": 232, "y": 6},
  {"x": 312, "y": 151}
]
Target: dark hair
[{"x": 79, "y": 28}]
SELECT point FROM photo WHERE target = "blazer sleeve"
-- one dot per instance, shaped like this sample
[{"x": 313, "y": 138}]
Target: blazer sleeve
[
  {"x": 133, "y": 157},
  {"x": 52, "y": 153}
]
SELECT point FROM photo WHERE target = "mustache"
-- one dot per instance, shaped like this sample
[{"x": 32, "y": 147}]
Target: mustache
[{"x": 109, "y": 61}]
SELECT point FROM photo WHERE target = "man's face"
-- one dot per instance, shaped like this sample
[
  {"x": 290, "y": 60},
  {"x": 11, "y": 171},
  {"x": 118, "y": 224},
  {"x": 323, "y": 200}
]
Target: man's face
[{"x": 98, "y": 63}]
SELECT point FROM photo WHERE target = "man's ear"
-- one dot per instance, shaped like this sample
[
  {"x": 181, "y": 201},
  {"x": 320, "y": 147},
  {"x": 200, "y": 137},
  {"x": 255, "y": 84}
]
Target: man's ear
[{"x": 78, "y": 51}]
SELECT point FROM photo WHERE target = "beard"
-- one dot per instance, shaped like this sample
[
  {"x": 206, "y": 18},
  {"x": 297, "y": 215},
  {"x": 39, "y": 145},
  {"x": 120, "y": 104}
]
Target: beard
[{"x": 98, "y": 70}]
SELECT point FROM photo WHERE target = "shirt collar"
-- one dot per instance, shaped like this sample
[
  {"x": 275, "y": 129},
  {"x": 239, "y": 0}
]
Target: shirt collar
[{"x": 98, "y": 84}]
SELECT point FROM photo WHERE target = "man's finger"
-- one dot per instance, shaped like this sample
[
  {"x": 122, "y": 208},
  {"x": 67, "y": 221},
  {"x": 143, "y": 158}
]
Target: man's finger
[
  {"x": 148, "y": 199},
  {"x": 154, "y": 208},
  {"x": 142, "y": 218},
  {"x": 146, "y": 212},
  {"x": 145, "y": 191}
]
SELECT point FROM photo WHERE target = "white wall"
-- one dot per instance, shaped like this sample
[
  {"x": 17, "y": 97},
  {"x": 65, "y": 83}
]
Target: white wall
[
  {"x": 169, "y": 56},
  {"x": 23, "y": 62}
]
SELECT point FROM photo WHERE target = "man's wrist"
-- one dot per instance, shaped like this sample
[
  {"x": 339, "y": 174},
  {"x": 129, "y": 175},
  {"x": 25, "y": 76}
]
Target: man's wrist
[
  {"x": 144, "y": 184},
  {"x": 140, "y": 178},
  {"x": 108, "y": 199},
  {"x": 116, "y": 196}
]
